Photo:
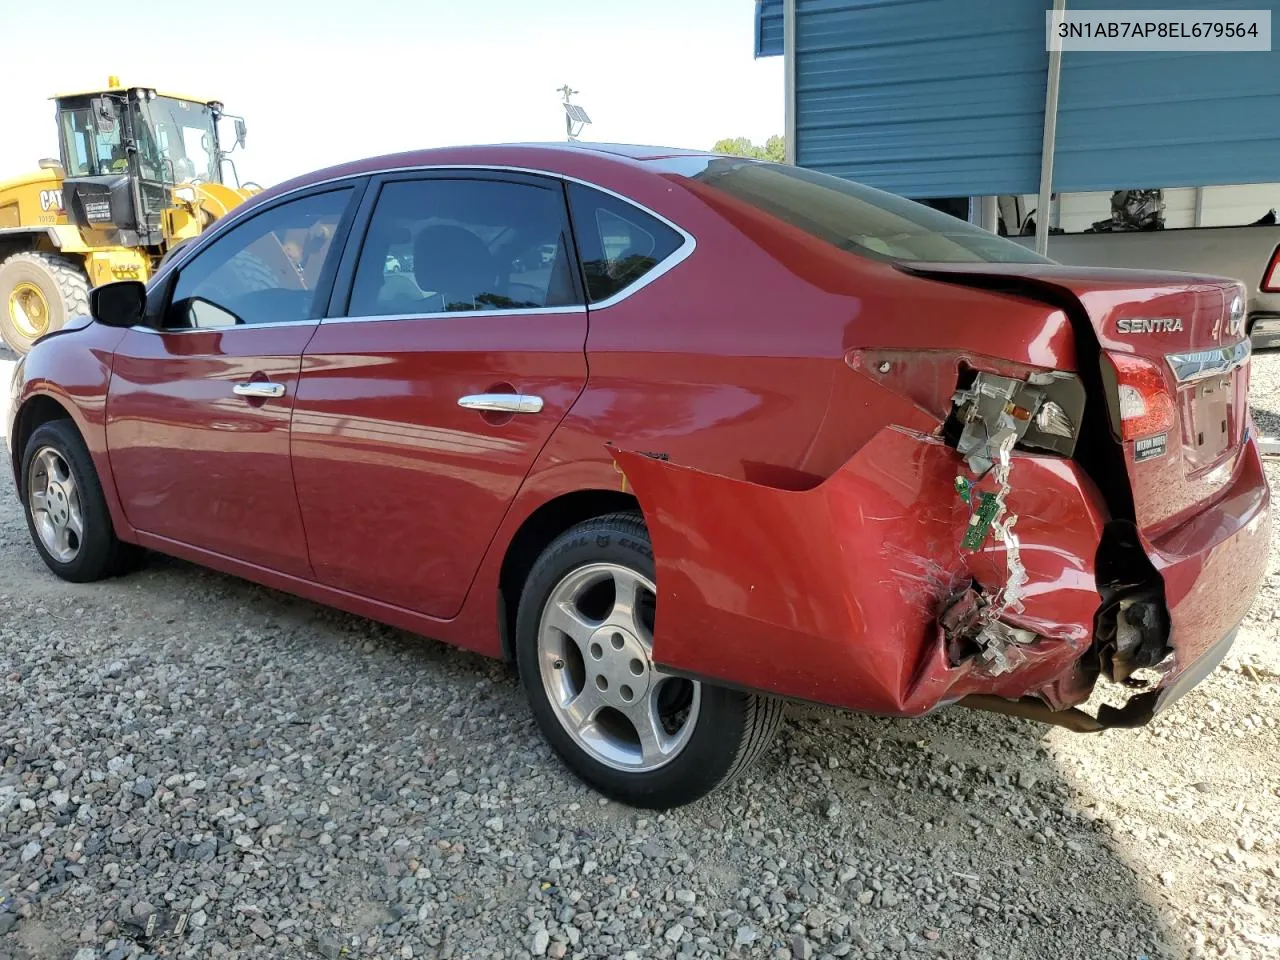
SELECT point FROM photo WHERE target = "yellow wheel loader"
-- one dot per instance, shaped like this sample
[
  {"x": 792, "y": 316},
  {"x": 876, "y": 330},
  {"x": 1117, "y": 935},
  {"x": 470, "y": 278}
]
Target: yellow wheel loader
[{"x": 139, "y": 174}]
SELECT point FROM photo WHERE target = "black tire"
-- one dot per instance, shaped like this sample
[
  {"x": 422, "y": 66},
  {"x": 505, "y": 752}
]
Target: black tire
[
  {"x": 731, "y": 731},
  {"x": 100, "y": 553},
  {"x": 60, "y": 280},
  {"x": 173, "y": 252}
]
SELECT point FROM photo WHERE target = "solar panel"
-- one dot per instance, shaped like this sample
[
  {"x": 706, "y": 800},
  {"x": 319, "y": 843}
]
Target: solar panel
[{"x": 576, "y": 113}]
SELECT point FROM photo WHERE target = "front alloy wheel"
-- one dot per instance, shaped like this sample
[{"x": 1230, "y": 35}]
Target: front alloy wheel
[
  {"x": 584, "y": 647},
  {"x": 54, "y": 501},
  {"x": 66, "y": 511}
]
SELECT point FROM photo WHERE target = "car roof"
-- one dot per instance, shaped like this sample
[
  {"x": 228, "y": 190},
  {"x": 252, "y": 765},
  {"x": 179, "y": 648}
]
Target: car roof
[{"x": 569, "y": 159}]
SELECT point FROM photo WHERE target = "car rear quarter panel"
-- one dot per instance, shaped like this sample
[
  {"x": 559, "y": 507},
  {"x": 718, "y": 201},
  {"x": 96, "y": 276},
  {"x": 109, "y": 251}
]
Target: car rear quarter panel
[{"x": 833, "y": 594}]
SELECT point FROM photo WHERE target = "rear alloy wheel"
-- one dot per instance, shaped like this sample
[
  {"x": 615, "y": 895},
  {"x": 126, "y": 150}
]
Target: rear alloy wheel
[
  {"x": 632, "y": 730},
  {"x": 66, "y": 511}
]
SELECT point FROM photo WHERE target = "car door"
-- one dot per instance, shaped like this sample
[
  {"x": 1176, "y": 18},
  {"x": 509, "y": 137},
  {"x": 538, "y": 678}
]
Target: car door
[
  {"x": 199, "y": 404},
  {"x": 438, "y": 376}
]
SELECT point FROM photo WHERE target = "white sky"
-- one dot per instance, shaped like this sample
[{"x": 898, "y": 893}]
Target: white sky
[{"x": 326, "y": 81}]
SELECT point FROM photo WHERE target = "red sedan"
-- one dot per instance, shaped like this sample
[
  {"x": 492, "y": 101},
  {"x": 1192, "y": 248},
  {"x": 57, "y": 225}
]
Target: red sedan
[{"x": 681, "y": 436}]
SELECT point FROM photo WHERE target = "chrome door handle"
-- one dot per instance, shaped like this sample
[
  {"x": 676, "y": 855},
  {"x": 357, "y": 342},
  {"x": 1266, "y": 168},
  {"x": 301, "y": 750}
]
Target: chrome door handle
[
  {"x": 502, "y": 402},
  {"x": 258, "y": 388}
]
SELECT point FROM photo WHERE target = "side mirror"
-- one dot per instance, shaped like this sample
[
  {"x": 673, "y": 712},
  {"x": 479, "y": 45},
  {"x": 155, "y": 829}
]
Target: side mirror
[
  {"x": 241, "y": 130},
  {"x": 104, "y": 114},
  {"x": 119, "y": 304}
]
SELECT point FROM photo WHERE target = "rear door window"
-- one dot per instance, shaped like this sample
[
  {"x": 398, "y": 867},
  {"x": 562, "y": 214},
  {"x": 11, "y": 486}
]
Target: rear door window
[
  {"x": 619, "y": 243},
  {"x": 447, "y": 245}
]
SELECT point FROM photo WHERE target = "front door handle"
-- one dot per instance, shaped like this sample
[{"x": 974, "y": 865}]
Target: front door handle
[
  {"x": 502, "y": 402},
  {"x": 258, "y": 388}
]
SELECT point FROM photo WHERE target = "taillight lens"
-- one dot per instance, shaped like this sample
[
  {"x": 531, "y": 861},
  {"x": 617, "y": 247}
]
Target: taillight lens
[
  {"x": 1271, "y": 276},
  {"x": 1146, "y": 405}
]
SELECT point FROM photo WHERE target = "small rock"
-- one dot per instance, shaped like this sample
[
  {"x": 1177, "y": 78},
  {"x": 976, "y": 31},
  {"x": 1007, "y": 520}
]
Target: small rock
[
  {"x": 144, "y": 788},
  {"x": 688, "y": 898},
  {"x": 30, "y": 852},
  {"x": 1026, "y": 779},
  {"x": 745, "y": 935},
  {"x": 85, "y": 953},
  {"x": 675, "y": 933},
  {"x": 541, "y": 940},
  {"x": 262, "y": 929}
]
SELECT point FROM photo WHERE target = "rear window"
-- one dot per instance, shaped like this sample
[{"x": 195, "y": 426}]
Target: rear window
[{"x": 849, "y": 215}]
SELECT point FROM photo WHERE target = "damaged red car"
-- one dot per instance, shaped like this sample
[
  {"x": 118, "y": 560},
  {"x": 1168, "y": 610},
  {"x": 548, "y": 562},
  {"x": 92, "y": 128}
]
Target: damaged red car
[{"x": 682, "y": 436}]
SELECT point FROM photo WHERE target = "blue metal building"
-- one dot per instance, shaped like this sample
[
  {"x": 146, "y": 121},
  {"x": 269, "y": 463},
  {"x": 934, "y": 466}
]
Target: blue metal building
[{"x": 946, "y": 98}]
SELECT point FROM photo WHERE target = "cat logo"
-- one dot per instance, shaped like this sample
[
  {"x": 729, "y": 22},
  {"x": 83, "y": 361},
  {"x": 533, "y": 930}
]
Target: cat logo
[{"x": 51, "y": 200}]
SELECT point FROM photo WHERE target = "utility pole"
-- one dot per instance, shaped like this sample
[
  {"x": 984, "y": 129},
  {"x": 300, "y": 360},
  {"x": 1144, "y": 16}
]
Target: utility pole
[{"x": 575, "y": 118}]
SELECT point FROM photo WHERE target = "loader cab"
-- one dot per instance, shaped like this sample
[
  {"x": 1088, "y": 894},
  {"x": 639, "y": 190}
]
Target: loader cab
[{"x": 124, "y": 151}]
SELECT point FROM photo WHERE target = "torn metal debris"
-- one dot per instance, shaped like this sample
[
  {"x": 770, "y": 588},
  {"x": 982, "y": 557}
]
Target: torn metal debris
[
  {"x": 1000, "y": 645},
  {"x": 971, "y": 626}
]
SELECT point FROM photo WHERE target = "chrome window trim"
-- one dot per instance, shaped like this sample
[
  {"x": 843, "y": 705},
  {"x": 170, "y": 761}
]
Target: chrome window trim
[
  {"x": 446, "y": 314},
  {"x": 676, "y": 257},
  {"x": 1214, "y": 361},
  {"x": 141, "y": 328}
]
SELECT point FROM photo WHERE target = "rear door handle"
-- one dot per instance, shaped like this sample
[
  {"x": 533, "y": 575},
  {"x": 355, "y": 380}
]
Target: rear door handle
[
  {"x": 502, "y": 402},
  {"x": 258, "y": 388}
]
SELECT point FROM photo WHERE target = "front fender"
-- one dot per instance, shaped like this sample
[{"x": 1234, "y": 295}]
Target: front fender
[{"x": 72, "y": 368}]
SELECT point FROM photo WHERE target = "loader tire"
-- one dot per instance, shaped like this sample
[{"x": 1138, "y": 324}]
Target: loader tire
[
  {"x": 39, "y": 292},
  {"x": 173, "y": 252}
]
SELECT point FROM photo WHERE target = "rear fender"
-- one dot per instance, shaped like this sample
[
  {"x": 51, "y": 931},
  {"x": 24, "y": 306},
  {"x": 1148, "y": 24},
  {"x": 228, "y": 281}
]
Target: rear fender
[{"x": 836, "y": 594}]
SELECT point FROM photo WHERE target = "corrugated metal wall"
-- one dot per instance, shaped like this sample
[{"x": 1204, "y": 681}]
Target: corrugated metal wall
[
  {"x": 926, "y": 98},
  {"x": 1168, "y": 119},
  {"x": 768, "y": 32},
  {"x": 935, "y": 98}
]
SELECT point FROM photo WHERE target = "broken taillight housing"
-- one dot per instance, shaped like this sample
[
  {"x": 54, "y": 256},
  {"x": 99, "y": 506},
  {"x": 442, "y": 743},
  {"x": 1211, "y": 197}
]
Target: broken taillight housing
[
  {"x": 1042, "y": 411},
  {"x": 1146, "y": 405}
]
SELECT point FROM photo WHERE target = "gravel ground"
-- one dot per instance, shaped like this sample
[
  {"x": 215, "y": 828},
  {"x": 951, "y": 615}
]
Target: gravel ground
[{"x": 301, "y": 783}]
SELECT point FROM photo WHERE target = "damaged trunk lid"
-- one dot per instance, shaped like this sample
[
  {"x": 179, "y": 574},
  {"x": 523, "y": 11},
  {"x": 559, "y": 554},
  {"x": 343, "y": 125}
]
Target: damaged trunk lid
[{"x": 1173, "y": 371}]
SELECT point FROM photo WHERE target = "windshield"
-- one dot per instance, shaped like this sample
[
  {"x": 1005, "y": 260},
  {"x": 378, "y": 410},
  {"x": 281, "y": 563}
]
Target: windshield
[
  {"x": 849, "y": 215},
  {"x": 176, "y": 141}
]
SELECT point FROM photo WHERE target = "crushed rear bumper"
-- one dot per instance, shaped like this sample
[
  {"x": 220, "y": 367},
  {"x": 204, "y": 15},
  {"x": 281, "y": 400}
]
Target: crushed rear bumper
[{"x": 839, "y": 594}]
